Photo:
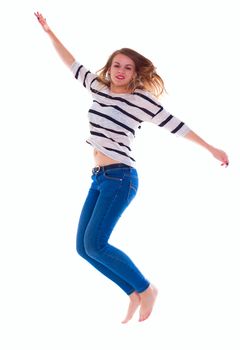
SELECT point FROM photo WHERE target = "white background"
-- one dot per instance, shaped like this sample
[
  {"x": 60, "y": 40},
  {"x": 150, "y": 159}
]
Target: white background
[{"x": 182, "y": 229}]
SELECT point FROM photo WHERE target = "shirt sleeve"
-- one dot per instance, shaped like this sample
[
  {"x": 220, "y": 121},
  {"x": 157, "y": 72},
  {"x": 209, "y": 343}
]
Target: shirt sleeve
[
  {"x": 158, "y": 115},
  {"x": 168, "y": 121},
  {"x": 83, "y": 75}
]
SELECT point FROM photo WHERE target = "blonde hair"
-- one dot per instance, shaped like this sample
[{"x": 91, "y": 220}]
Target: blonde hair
[{"x": 146, "y": 75}]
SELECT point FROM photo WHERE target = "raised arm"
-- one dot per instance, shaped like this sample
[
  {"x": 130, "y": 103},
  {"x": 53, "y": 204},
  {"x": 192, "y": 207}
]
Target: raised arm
[
  {"x": 217, "y": 153},
  {"x": 64, "y": 54}
]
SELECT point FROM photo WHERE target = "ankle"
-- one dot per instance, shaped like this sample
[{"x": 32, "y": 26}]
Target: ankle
[{"x": 149, "y": 291}]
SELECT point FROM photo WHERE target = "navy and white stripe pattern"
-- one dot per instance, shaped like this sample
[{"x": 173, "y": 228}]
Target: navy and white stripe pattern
[{"x": 114, "y": 118}]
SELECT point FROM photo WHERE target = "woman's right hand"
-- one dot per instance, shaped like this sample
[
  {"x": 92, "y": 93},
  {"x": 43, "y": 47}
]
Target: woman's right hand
[
  {"x": 42, "y": 21},
  {"x": 65, "y": 55}
]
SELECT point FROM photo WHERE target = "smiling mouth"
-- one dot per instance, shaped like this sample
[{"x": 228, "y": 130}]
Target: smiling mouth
[{"x": 120, "y": 77}]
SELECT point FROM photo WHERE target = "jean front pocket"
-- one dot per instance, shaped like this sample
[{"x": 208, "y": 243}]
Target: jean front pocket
[
  {"x": 114, "y": 174},
  {"x": 133, "y": 187}
]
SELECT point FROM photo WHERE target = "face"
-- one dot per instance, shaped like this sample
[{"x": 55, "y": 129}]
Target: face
[{"x": 122, "y": 71}]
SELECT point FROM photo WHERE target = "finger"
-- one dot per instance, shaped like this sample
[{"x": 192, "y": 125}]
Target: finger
[
  {"x": 226, "y": 163},
  {"x": 38, "y": 16}
]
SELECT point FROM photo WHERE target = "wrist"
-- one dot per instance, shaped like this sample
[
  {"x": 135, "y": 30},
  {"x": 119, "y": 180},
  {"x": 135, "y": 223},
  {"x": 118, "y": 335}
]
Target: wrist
[
  {"x": 210, "y": 148},
  {"x": 48, "y": 31}
]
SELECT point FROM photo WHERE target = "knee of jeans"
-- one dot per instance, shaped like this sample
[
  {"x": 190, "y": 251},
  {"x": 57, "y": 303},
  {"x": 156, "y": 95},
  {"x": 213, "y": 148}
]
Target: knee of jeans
[
  {"x": 91, "y": 249},
  {"x": 81, "y": 250}
]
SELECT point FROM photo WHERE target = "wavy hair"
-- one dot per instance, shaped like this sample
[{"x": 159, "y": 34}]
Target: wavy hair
[{"x": 146, "y": 75}]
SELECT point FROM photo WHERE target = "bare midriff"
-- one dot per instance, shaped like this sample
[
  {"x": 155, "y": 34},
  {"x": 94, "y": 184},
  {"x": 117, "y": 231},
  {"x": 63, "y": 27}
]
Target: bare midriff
[{"x": 101, "y": 159}]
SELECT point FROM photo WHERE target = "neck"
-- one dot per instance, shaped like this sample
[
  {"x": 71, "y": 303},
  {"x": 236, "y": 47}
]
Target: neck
[{"x": 119, "y": 90}]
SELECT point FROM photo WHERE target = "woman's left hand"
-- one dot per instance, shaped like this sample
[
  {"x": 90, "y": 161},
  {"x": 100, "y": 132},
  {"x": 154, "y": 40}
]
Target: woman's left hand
[{"x": 221, "y": 156}]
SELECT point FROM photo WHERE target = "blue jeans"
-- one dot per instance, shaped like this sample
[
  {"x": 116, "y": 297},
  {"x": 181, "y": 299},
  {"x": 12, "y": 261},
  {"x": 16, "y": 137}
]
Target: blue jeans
[{"x": 113, "y": 188}]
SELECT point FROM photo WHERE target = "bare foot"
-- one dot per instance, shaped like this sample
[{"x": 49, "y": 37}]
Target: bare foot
[
  {"x": 133, "y": 305},
  {"x": 148, "y": 298}
]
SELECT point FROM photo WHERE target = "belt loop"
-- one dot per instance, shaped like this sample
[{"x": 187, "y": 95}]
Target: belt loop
[{"x": 96, "y": 169}]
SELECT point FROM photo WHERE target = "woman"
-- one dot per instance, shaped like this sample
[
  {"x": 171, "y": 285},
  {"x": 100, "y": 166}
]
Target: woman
[{"x": 125, "y": 94}]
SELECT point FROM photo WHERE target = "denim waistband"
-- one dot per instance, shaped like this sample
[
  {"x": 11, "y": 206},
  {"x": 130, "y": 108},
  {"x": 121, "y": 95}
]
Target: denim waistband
[{"x": 99, "y": 168}]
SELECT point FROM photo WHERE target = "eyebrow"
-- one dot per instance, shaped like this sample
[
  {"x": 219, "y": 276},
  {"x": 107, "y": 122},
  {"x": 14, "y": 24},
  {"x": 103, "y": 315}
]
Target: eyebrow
[{"x": 128, "y": 64}]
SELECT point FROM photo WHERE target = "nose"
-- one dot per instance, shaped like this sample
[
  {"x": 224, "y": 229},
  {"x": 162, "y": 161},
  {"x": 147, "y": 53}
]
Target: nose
[{"x": 121, "y": 71}]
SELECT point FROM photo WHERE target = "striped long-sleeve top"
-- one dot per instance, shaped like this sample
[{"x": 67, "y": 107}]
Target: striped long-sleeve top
[{"x": 114, "y": 118}]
